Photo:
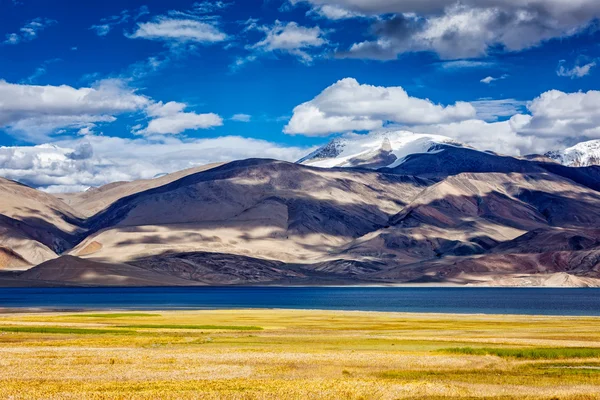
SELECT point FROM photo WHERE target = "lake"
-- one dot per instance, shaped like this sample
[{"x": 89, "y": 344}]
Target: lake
[{"x": 534, "y": 301}]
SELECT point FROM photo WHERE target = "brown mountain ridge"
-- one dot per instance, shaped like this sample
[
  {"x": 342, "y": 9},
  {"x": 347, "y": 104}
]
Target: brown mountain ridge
[{"x": 490, "y": 220}]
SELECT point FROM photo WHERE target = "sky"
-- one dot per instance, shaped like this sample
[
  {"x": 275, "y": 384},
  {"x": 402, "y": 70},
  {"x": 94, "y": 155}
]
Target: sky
[{"x": 100, "y": 91}]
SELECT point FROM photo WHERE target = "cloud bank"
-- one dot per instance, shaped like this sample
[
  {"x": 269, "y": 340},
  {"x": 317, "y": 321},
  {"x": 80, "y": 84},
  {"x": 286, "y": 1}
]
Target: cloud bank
[
  {"x": 348, "y": 105},
  {"x": 34, "y": 113},
  {"x": 75, "y": 165},
  {"x": 458, "y": 29},
  {"x": 507, "y": 126}
]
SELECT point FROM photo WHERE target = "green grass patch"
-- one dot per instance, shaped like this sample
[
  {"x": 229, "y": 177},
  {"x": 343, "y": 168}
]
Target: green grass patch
[
  {"x": 541, "y": 353},
  {"x": 536, "y": 375},
  {"x": 57, "y": 330},
  {"x": 114, "y": 315},
  {"x": 203, "y": 327}
]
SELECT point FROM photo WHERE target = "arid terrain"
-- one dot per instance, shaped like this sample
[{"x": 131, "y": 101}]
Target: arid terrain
[
  {"x": 447, "y": 215},
  {"x": 275, "y": 354}
]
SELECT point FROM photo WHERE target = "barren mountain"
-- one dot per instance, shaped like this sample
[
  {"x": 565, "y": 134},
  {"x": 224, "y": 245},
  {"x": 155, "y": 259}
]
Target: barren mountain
[
  {"x": 446, "y": 215},
  {"x": 257, "y": 208},
  {"x": 68, "y": 270},
  {"x": 35, "y": 226},
  {"x": 94, "y": 200}
]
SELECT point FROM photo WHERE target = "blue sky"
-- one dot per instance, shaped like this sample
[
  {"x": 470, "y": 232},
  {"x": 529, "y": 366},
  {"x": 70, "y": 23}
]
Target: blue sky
[{"x": 234, "y": 79}]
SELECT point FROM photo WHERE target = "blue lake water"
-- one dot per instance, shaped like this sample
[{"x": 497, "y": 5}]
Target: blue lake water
[{"x": 533, "y": 301}]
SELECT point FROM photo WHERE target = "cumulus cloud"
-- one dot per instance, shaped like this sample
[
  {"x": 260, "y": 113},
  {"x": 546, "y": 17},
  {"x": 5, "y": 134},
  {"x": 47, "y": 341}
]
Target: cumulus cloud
[
  {"x": 551, "y": 120},
  {"x": 348, "y": 105},
  {"x": 170, "y": 118},
  {"x": 35, "y": 112},
  {"x": 29, "y": 31},
  {"x": 577, "y": 71},
  {"x": 290, "y": 38},
  {"x": 462, "y": 29},
  {"x": 558, "y": 114},
  {"x": 501, "y": 137},
  {"x": 507, "y": 126},
  {"x": 175, "y": 30},
  {"x": 97, "y": 160}
]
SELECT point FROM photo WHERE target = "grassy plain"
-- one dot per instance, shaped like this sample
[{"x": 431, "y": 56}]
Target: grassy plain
[{"x": 296, "y": 354}]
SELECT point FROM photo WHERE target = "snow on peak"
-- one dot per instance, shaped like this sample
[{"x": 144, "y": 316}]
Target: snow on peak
[
  {"x": 582, "y": 154},
  {"x": 374, "y": 150}
]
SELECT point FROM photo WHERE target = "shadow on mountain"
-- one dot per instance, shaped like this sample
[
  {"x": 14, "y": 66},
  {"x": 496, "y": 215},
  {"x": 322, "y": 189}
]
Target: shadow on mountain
[
  {"x": 469, "y": 214},
  {"x": 249, "y": 190},
  {"x": 447, "y": 160},
  {"x": 76, "y": 271}
]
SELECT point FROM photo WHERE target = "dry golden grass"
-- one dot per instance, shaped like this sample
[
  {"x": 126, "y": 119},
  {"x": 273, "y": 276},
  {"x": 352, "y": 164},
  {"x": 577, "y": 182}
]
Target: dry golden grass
[{"x": 297, "y": 355}]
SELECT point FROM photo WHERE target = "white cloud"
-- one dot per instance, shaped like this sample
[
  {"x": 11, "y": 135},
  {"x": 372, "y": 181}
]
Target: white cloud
[
  {"x": 143, "y": 10},
  {"x": 241, "y": 118},
  {"x": 35, "y": 112},
  {"x": 242, "y": 61},
  {"x": 578, "y": 71},
  {"x": 40, "y": 71},
  {"x": 202, "y": 11},
  {"x": 29, "y": 31},
  {"x": 101, "y": 30},
  {"x": 550, "y": 121},
  {"x": 170, "y": 118},
  {"x": 347, "y": 105},
  {"x": 462, "y": 64},
  {"x": 563, "y": 115},
  {"x": 291, "y": 38},
  {"x": 206, "y": 7},
  {"x": 334, "y": 12},
  {"x": 507, "y": 126},
  {"x": 490, "y": 79},
  {"x": 108, "y": 23},
  {"x": 179, "y": 31},
  {"x": 75, "y": 165},
  {"x": 501, "y": 137},
  {"x": 462, "y": 29},
  {"x": 86, "y": 130}
]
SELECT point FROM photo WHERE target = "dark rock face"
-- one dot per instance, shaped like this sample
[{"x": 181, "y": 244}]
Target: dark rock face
[{"x": 216, "y": 268}]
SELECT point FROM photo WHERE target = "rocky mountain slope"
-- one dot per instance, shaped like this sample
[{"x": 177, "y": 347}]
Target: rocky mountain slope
[
  {"x": 34, "y": 226},
  {"x": 445, "y": 214},
  {"x": 94, "y": 200}
]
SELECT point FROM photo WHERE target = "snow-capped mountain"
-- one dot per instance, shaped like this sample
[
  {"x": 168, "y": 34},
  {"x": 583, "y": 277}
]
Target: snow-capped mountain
[
  {"x": 582, "y": 154},
  {"x": 375, "y": 150}
]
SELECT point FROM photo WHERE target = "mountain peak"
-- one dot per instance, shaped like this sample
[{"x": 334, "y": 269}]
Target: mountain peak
[
  {"x": 374, "y": 150},
  {"x": 583, "y": 154}
]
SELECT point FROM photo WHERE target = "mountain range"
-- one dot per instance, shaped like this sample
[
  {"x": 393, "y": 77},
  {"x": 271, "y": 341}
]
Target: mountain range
[{"x": 385, "y": 208}]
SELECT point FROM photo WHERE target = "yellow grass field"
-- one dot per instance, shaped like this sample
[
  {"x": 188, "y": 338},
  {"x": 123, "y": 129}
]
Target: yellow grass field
[{"x": 295, "y": 354}]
